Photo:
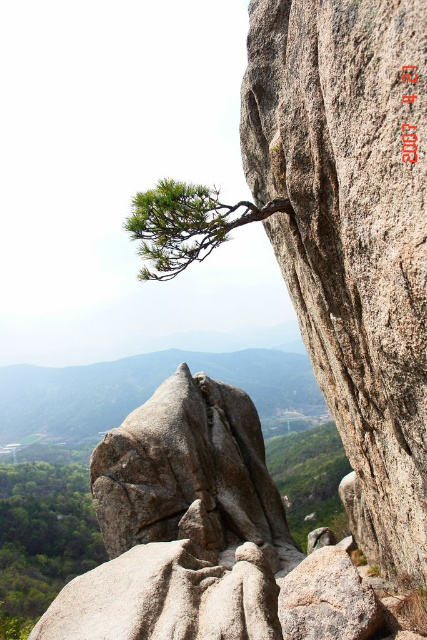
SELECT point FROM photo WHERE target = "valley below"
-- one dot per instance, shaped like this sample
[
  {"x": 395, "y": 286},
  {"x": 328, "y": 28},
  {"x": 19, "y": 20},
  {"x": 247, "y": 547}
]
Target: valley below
[
  {"x": 49, "y": 533},
  {"x": 75, "y": 404}
]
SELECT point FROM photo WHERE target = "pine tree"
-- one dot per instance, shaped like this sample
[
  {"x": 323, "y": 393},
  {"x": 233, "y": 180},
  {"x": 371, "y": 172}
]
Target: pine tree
[{"x": 178, "y": 223}]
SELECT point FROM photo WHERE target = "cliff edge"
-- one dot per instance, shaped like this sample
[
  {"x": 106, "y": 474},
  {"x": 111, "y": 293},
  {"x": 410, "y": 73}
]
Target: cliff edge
[{"x": 322, "y": 116}]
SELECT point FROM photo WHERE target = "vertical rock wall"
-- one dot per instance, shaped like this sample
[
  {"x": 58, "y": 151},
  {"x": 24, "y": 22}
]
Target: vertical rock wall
[{"x": 322, "y": 113}]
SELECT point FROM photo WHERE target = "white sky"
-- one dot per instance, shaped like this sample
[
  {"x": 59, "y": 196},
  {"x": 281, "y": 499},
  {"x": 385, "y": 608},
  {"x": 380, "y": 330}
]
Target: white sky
[{"x": 100, "y": 100}]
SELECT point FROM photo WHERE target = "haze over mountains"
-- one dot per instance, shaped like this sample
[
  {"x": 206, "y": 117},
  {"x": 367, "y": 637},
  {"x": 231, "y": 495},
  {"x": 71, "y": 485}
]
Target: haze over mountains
[
  {"x": 106, "y": 341},
  {"x": 285, "y": 336},
  {"x": 75, "y": 403}
]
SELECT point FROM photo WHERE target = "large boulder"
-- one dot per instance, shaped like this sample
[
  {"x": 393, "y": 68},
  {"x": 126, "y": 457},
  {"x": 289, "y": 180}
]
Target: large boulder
[
  {"x": 324, "y": 598},
  {"x": 347, "y": 544},
  {"x": 318, "y": 538},
  {"x": 189, "y": 463},
  {"x": 322, "y": 117},
  {"x": 163, "y": 592}
]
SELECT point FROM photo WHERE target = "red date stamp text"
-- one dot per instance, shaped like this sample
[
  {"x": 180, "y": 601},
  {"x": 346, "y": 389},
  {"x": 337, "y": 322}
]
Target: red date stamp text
[{"x": 409, "y": 136}]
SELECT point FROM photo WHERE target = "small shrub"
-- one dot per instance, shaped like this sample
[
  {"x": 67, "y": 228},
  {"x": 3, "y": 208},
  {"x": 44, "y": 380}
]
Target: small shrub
[
  {"x": 15, "y": 629},
  {"x": 357, "y": 558},
  {"x": 374, "y": 570},
  {"x": 406, "y": 582},
  {"x": 340, "y": 526},
  {"x": 413, "y": 609}
]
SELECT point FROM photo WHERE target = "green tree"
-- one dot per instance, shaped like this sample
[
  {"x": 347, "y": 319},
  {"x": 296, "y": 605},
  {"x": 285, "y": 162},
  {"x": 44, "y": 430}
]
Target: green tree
[{"x": 178, "y": 223}]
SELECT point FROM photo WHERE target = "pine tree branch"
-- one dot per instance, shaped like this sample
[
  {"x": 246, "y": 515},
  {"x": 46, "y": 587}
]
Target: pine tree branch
[{"x": 178, "y": 224}]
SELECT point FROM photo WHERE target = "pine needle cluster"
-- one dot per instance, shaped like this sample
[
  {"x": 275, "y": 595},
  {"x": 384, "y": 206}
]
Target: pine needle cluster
[{"x": 178, "y": 223}]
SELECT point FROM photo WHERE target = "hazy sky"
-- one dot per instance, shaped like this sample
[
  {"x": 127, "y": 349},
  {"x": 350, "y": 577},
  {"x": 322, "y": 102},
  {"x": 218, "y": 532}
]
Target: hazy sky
[{"x": 100, "y": 100}]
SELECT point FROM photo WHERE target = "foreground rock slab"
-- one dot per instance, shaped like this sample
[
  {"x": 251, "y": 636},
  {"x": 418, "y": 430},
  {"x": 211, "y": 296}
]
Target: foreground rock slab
[
  {"x": 162, "y": 591},
  {"x": 323, "y": 598}
]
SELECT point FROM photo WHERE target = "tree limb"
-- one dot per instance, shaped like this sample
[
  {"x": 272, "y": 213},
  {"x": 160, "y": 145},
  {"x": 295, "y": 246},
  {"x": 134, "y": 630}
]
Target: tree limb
[{"x": 168, "y": 218}]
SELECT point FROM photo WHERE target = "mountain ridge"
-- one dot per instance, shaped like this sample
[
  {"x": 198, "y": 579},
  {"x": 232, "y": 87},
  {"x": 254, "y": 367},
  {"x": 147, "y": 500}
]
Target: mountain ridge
[{"x": 78, "y": 402}]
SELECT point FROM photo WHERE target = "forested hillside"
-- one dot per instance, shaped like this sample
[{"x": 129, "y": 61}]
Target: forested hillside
[
  {"x": 49, "y": 534},
  {"x": 76, "y": 402},
  {"x": 307, "y": 469}
]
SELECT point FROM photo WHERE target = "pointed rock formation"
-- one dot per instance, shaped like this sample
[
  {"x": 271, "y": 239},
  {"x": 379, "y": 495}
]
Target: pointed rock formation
[
  {"x": 177, "y": 488},
  {"x": 189, "y": 463}
]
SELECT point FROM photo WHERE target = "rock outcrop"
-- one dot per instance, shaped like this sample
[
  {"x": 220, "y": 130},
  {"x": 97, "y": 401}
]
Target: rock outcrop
[
  {"x": 189, "y": 463},
  {"x": 198, "y": 536},
  {"x": 322, "y": 117},
  {"x": 193, "y": 523},
  {"x": 162, "y": 591},
  {"x": 325, "y": 588},
  {"x": 318, "y": 538}
]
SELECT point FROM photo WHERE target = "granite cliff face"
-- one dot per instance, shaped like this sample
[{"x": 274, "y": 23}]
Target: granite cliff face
[{"x": 322, "y": 113}]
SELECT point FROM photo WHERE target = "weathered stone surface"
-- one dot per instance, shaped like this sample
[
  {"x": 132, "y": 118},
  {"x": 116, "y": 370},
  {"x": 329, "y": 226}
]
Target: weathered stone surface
[
  {"x": 361, "y": 526},
  {"x": 318, "y": 538},
  {"x": 244, "y": 603},
  {"x": 405, "y": 635},
  {"x": 322, "y": 113},
  {"x": 324, "y": 598},
  {"x": 162, "y": 591},
  {"x": 271, "y": 554},
  {"x": 371, "y": 578},
  {"x": 201, "y": 527},
  {"x": 189, "y": 463},
  {"x": 346, "y": 544}
]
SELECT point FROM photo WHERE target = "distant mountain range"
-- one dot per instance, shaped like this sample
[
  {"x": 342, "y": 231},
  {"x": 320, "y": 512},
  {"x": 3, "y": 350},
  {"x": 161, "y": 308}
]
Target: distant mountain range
[
  {"x": 285, "y": 336},
  {"x": 108, "y": 344},
  {"x": 75, "y": 403}
]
